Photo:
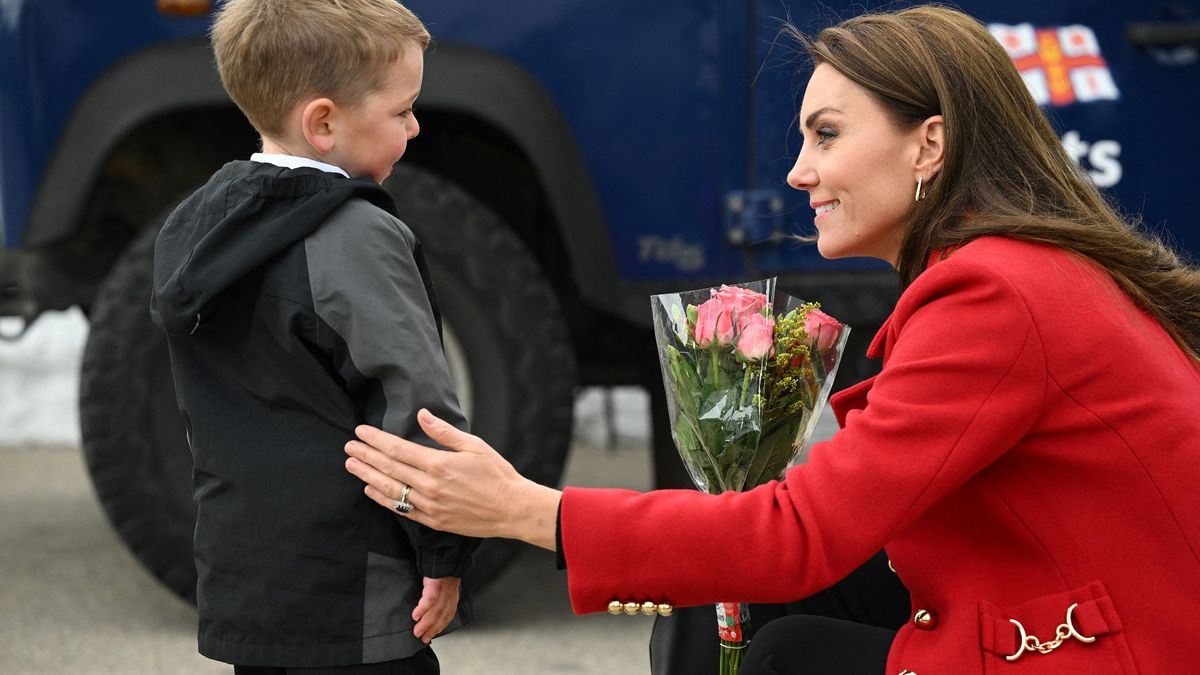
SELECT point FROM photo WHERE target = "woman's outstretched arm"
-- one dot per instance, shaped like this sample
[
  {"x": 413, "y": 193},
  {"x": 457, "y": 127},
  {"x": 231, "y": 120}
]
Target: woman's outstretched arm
[{"x": 471, "y": 490}]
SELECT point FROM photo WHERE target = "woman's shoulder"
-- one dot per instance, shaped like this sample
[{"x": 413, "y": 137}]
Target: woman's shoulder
[
  {"x": 1004, "y": 252},
  {"x": 1019, "y": 263},
  {"x": 1005, "y": 272}
]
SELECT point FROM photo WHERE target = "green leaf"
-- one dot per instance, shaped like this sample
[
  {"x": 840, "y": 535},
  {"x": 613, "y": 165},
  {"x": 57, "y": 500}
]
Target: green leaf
[{"x": 775, "y": 451}]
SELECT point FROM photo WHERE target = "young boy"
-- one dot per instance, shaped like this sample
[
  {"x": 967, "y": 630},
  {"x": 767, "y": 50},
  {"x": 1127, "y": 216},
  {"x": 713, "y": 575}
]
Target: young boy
[{"x": 297, "y": 306}]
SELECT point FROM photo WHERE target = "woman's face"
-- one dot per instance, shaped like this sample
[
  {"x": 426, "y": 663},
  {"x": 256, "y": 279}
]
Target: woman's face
[{"x": 859, "y": 169}]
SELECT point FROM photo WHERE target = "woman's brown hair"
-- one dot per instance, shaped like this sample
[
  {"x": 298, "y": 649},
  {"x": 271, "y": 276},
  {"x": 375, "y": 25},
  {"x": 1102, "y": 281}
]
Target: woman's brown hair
[{"x": 1005, "y": 171}]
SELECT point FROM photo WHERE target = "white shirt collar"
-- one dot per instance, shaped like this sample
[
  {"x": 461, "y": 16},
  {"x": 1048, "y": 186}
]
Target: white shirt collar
[{"x": 293, "y": 162}]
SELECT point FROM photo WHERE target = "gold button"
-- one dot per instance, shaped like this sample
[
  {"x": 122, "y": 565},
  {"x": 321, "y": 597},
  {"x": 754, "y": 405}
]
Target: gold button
[
  {"x": 665, "y": 610},
  {"x": 631, "y": 608},
  {"x": 925, "y": 619},
  {"x": 614, "y": 607},
  {"x": 648, "y": 608}
]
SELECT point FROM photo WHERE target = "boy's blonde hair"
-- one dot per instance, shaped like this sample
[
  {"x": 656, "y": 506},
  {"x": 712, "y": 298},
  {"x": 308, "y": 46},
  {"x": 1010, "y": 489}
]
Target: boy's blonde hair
[{"x": 273, "y": 54}]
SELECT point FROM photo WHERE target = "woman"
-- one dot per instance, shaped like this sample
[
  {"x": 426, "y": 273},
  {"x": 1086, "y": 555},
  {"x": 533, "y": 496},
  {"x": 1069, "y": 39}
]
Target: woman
[{"x": 1027, "y": 456}]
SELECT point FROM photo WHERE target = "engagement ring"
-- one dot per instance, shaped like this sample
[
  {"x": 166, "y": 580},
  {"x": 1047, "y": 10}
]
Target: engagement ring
[{"x": 403, "y": 505}]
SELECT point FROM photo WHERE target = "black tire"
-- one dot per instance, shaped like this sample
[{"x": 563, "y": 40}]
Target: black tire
[
  {"x": 493, "y": 297},
  {"x": 505, "y": 314},
  {"x": 133, "y": 434}
]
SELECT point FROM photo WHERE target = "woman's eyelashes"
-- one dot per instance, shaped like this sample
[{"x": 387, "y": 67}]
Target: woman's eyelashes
[{"x": 822, "y": 131}]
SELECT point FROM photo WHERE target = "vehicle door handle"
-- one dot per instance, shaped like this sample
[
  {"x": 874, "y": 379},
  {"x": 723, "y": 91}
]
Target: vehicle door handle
[{"x": 1163, "y": 33}]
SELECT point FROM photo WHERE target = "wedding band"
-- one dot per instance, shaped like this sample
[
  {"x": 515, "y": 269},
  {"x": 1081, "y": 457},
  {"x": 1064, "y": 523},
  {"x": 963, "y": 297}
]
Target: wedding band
[{"x": 403, "y": 505}]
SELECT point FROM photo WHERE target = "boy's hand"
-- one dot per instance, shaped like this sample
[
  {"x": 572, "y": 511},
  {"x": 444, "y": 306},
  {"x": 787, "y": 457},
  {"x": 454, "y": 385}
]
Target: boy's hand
[{"x": 439, "y": 601}]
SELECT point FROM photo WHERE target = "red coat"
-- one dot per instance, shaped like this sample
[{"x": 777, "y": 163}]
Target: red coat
[{"x": 1032, "y": 442}]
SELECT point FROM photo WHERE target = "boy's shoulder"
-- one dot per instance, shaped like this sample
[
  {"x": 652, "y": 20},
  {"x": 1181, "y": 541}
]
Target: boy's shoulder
[
  {"x": 365, "y": 225},
  {"x": 363, "y": 261}
]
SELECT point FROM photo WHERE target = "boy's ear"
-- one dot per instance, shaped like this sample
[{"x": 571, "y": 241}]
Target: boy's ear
[
  {"x": 931, "y": 150},
  {"x": 317, "y": 123}
]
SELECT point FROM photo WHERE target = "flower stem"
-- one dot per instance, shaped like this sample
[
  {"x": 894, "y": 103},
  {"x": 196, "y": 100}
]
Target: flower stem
[
  {"x": 716, "y": 371},
  {"x": 733, "y": 629},
  {"x": 745, "y": 387}
]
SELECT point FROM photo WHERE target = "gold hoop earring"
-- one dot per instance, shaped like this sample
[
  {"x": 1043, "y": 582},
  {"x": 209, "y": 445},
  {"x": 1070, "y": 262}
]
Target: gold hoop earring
[{"x": 919, "y": 195}]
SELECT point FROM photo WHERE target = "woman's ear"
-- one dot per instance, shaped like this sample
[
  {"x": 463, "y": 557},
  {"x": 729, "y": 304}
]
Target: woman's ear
[
  {"x": 317, "y": 123},
  {"x": 931, "y": 151}
]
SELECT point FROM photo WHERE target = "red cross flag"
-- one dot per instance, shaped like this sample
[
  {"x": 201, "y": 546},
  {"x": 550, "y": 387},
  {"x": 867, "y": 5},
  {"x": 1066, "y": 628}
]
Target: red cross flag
[{"x": 1060, "y": 65}]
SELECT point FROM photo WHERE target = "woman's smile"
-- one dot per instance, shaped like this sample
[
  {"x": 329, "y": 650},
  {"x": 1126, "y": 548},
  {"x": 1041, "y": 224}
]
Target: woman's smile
[{"x": 823, "y": 208}]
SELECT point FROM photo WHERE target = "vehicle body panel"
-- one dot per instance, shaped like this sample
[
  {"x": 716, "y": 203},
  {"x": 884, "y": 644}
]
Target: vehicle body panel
[{"x": 674, "y": 106}]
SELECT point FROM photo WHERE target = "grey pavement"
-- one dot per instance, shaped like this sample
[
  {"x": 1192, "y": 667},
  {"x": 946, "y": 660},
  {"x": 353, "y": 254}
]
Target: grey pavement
[{"x": 72, "y": 600}]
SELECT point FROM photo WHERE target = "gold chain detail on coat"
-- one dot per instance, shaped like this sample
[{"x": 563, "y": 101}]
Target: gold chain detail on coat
[{"x": 1064, "y": 632}]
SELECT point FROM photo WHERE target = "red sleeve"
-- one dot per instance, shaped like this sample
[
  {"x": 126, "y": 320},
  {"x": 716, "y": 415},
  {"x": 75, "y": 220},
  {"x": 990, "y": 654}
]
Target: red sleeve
[{"x": 962, "y": 382}]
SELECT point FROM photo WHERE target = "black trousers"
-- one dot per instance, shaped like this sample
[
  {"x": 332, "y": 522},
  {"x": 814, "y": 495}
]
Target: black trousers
[
  {"x": 424, "y": 662},
  {"x": 846, "y": 629}
]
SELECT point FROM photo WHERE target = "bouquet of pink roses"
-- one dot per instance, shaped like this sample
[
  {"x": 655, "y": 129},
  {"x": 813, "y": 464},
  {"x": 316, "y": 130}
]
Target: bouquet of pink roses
[{"x": 745, "y": 386}]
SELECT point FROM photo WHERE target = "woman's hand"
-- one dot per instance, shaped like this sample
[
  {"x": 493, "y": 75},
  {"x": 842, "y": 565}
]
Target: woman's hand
[
  {"x": 439, "y": 602},
  {"x": 470, "y": 490}
]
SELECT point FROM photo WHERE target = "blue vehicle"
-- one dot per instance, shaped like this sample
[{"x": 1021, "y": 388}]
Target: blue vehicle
[{"x": 574, "y": 158}]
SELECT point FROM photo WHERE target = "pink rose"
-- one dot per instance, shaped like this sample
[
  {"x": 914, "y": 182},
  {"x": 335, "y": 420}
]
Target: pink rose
[
  {"x": 742, "y": 303},
  {"x": 757, "y": 337},
  {"x": 713, "y": 321},
  {"x": 822, "y": 328}
]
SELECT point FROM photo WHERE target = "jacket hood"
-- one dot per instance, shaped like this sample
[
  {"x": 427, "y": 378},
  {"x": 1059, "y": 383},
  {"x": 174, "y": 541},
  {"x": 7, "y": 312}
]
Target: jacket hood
[{"x": 247, "y": 213}]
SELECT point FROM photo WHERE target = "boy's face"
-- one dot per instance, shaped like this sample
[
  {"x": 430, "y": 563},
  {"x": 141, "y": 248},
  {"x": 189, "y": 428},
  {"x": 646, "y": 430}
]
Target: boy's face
[{"x": 373, "y": 135}]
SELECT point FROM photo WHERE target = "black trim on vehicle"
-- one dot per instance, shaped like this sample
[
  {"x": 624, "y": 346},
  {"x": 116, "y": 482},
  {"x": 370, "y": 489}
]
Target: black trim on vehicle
[
  {"x": 498, "y": 91},
  {"x": 147, "y": 84}
]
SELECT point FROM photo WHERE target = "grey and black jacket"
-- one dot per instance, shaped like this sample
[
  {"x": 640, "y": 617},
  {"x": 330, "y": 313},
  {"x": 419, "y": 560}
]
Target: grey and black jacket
[{"x": 297, "y": 306}]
